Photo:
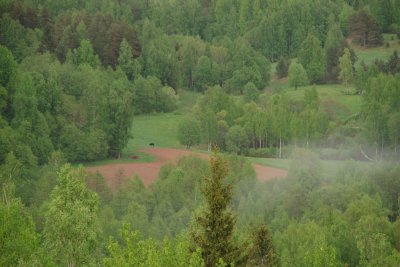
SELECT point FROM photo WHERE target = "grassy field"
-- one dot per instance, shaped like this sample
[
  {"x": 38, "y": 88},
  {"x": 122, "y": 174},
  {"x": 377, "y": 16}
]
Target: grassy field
[
  {"x": 383, "y": 52},
  {"x": 344, "y": 104},
  {"x": 187, "y": 99},
  {"x": 329, "y": 167},
  {"x": 159, "y": 128},
  {"x": 156, "y": 128},
  {"x": 271, "y": 162}
]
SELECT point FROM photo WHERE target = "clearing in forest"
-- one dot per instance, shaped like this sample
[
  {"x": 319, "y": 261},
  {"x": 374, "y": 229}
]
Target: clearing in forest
[{"x": 148, "y": 171}]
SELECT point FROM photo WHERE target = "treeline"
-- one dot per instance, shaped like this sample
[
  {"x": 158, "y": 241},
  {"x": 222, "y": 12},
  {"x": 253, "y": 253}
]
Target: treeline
[
  {"x": 77, "y": 107},
  {"x": 255, "y": 129},
  {"x": 262, "y": 125},
  {"x": 197, "y": 44}
]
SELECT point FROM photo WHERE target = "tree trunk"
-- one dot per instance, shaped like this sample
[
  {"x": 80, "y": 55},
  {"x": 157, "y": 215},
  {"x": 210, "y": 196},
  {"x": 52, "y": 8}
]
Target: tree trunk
[{"x": 280, "y": 146}]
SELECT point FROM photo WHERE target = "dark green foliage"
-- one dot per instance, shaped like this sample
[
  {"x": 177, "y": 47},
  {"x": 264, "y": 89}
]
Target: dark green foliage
[
  {"x": 333, "y": 50},
  {"x": 202, "y": 74},
  {"x": 236, "y": 140},
  {"x": 119, "y": 114},
  {"x": 282, "y": 68},
  {"x": 393, "y": 64},
  {"x": 79, "y": 146},
  {"x": 151, "y": 96},
  {"x": 365, "y": 29},
  {"x": 7, "y": 74},
  {"x": 215, "y": 224},
  {"x": 261, "y": 249},
  {"x": 8, "y": 66}
]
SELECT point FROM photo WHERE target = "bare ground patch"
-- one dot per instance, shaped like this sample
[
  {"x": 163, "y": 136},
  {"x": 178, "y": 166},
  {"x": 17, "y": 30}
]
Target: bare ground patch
[{"x": 115, "y": 173}]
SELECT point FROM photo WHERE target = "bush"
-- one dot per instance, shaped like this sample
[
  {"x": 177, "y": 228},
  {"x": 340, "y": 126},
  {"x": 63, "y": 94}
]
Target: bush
[{"x": 267, "y": 152}]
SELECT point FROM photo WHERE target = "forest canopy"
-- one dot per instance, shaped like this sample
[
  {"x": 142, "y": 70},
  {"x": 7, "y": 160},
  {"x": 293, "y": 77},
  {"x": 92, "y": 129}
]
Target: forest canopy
[{"x": 311, "y": 87}]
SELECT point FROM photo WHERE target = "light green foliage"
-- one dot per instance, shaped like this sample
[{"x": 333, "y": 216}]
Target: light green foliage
[
  {"x": 255, "y": 124},
  {"x": 167, "y": 99},
  {"x": 162, "y": 129},
  {"x": 19, "y": 241},
  {"x": 84, "y": 54},
  {"x": 10, "y": 173},
  {"x": 136, "y": 252},
  {"x": 311, "y": 98},
  {"x": 297, "y": 75},
  {"x": 71, "y": 229},
  {"x": 345, "y": 213},
  {"x": 281, "y": 121},
  {"x": 378, "y": 103},
  {"x": 30, "y": 123},
  {"x": 346, "y": 12},
  {"x": 189, "y": 132},
  {"x": 209, "y": 127},
  {"x": 126, "y": 61},
  {"x": 305, "y": 244},
  {"x": 346, "y": 68},
  {"x": 312, "y": 58},
  {"x": 21, "y": 41},
  {"x": 250, "y": 92}
]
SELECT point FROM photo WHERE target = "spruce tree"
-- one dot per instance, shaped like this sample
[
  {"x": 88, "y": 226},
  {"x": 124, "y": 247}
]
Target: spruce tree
[
  {"x": 261, "y": 249},
  {"x": 216, "y": 222}
]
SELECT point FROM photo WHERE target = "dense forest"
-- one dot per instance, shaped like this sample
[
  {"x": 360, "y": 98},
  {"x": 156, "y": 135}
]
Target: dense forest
[{"x": 74, "y": 76}]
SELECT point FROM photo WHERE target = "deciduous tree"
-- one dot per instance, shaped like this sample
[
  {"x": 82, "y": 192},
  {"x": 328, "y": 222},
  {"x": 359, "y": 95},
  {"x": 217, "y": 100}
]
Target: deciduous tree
[
  {"x": 189, "y": 132},
  {"x": 297, "y": 75},
  {"x": 71, "y": 231},
  {"x": 346, "y": 68}
]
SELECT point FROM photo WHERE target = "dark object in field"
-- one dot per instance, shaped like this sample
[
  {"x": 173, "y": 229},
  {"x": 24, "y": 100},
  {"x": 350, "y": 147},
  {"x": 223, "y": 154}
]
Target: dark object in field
[
  {"x": 151, "y": 144},
  {"x": 134, "y": 157}
]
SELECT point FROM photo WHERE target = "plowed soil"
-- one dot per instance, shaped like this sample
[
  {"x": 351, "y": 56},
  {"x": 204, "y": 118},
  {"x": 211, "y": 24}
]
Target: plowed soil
[{"x": 113, "y": 173}]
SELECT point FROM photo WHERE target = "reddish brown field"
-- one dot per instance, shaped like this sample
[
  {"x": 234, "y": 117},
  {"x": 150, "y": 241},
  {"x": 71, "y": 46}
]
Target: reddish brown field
[{"x": 113, "y": 173}]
